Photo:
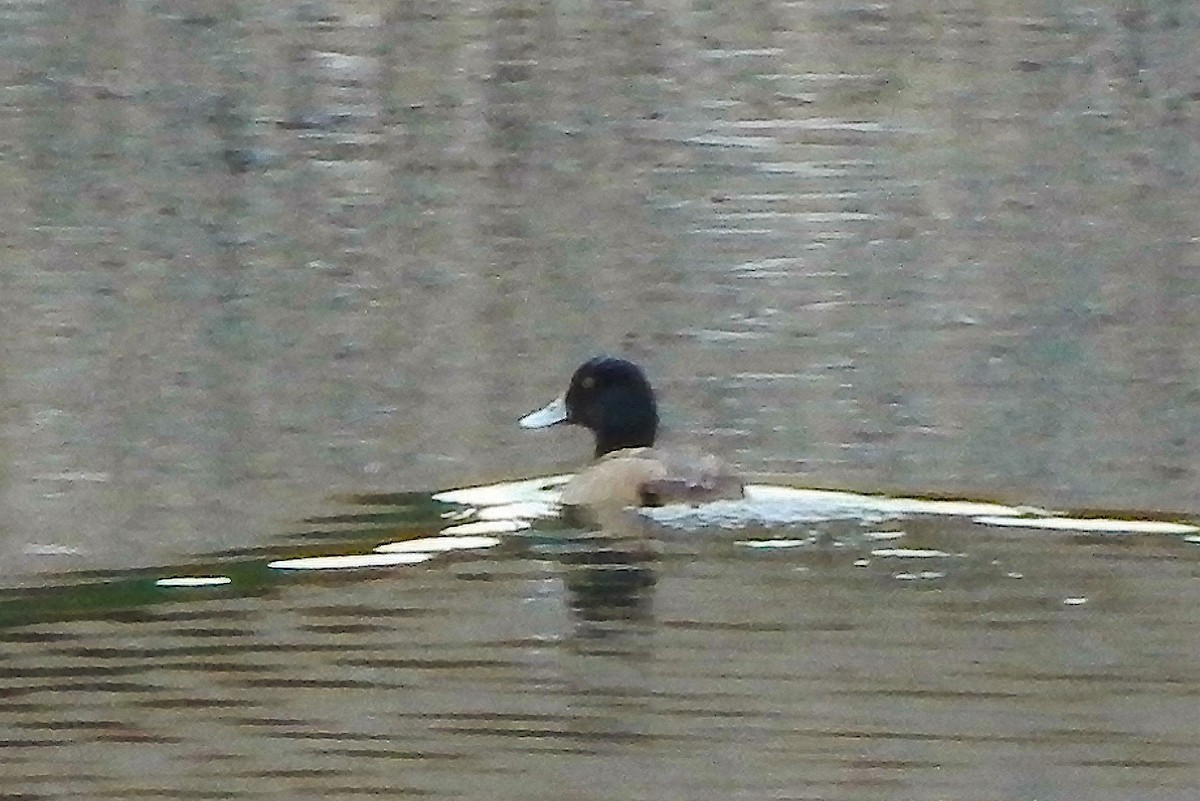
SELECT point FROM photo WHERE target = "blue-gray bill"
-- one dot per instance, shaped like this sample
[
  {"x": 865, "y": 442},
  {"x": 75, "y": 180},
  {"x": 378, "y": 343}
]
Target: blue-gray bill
[{"x": 553, "y": 413}]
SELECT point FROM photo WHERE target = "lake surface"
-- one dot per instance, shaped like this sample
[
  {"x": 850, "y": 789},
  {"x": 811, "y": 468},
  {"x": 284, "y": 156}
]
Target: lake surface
[
  {"x": 862, "y": 651},
  {"x": 275, "y": 274}
]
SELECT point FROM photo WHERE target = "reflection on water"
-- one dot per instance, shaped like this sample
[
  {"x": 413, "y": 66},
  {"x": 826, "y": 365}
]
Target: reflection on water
[
  {"x": 897, "y": 649},
  {"x": 260, "y": 255},
  {"x": 256, "y": 254}
]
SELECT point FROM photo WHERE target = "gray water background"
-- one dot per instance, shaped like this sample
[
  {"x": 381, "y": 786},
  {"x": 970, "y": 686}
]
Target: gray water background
[{"x": 258, "y": 256}]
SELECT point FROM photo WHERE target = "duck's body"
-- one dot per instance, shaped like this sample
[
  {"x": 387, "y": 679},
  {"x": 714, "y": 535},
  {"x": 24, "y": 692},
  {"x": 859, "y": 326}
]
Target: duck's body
[{"x": 613, "y": 399}]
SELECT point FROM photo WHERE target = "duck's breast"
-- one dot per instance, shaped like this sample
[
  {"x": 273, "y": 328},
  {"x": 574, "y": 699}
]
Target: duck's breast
[
  {"x": 650, "y": 477},
  {"x": 616, "y": 478}
]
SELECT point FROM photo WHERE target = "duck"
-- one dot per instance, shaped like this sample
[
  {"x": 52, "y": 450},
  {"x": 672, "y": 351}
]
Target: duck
[{"x": 613, "y": 399}]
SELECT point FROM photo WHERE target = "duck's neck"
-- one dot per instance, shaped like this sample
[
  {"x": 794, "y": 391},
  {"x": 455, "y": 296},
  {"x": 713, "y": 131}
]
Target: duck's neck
[
  {"x": 616, "y": 443},
  {"x": 626, "y": 425}
]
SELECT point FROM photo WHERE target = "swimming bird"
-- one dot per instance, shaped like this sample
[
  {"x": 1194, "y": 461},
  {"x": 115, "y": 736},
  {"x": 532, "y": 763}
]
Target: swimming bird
[{"x": 613, "y": 399}]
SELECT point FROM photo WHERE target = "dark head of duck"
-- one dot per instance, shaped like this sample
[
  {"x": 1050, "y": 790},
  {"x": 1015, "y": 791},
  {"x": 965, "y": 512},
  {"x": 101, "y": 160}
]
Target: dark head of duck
[{"x": 611, "y": 397}]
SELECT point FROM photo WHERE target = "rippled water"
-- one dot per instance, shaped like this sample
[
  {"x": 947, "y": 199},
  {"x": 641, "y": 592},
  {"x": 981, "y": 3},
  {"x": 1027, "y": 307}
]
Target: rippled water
[
  {"x": 276, "y": 263},
  {"x": 874, "y": 648}
]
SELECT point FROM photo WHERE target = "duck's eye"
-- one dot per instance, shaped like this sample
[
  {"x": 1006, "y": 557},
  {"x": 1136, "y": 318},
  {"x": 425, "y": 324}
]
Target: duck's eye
[{"x": 588, "y": 382}]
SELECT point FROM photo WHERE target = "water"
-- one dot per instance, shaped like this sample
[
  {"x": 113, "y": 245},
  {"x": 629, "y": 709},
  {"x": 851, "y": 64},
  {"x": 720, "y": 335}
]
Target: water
[
  {"x": 870, "y": 655},
  {"x": 262, "y": 259}
]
